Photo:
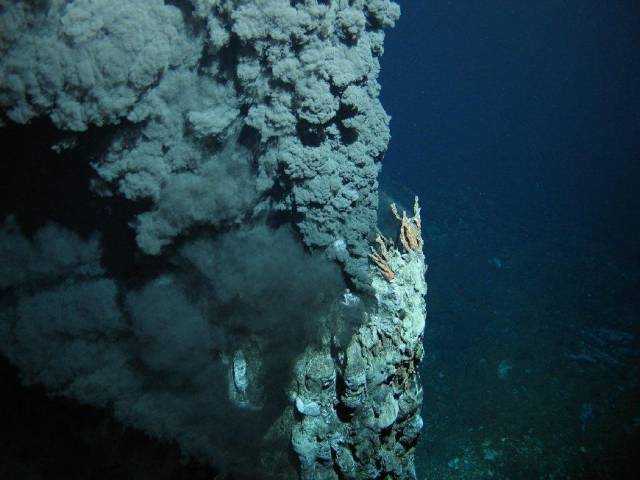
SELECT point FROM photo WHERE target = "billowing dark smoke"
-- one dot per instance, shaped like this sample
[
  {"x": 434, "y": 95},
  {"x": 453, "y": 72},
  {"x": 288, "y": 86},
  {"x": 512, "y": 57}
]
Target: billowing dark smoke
[
  {"x": 162, "y": 354},
  {"x": 236, "y": 145}
]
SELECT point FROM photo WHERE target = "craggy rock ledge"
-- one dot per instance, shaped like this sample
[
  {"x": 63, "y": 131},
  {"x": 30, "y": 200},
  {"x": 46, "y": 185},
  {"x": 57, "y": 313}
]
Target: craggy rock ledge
[{"x": 357, "y": 409}]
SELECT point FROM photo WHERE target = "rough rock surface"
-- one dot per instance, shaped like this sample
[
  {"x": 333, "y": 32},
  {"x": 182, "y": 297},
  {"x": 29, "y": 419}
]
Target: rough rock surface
[{"x": 357, "y": 408}]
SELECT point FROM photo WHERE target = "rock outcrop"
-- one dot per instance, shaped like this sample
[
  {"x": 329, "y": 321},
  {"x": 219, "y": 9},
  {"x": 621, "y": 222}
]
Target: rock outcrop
[{"x": 357, "y": 406}]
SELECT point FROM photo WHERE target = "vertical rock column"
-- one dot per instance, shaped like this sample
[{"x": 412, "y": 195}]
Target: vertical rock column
[{"x": 358, "y": 408}]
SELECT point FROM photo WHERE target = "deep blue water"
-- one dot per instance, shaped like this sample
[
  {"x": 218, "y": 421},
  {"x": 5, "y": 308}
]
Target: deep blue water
[
  {"x": 533, "y": 104},
  {"x": 518, "y": 124}
]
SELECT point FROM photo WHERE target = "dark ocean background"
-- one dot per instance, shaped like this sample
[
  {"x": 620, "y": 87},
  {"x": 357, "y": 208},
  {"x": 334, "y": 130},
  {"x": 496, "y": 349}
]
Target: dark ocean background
[{"x": 518, "y": 125}]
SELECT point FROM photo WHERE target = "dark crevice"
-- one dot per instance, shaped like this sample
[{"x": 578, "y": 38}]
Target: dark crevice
[
  {"x": 311, "y": 135},
  {"x": 250, "y": 138}
]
